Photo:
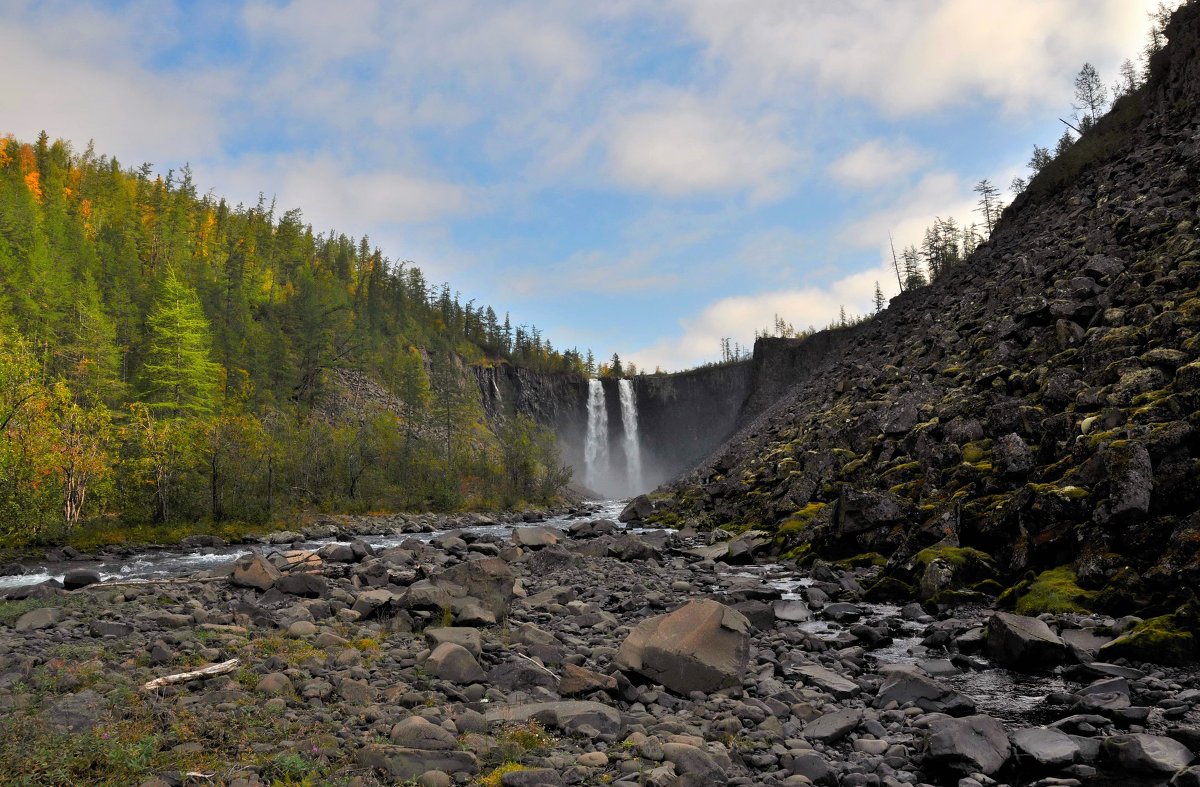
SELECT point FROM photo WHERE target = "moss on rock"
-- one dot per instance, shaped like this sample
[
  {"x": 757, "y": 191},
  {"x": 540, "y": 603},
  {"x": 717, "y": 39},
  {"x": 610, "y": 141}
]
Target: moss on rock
[
  {"x": 800, "y": 520},
  {"x": 1055, "y": 591},
  {"x": 1157, "y": 640}
]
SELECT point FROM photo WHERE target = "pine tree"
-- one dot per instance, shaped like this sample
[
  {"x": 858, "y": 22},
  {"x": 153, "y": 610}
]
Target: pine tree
[
  {"x": 879, "y": 300},
  {"x": 1040, "y": 158},
  {"x": 180, "y": 377}
]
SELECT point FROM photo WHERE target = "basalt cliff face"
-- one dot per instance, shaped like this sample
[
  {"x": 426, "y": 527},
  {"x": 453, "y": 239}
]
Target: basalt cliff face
[{"x": 1038, "y": 403}]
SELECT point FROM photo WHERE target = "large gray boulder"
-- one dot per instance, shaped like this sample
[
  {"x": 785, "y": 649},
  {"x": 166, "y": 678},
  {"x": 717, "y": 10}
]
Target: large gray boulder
[
  {"x": 1023, "y": 643},
  {"x": 1044, "y": 747},
  {"x": 702, "y": 646},
  {"x": 416, "y": 732},
  {"x": 832, "y": 727},
  {"x": 454, "y": 663},
  {"x": 488, "y": 579},
  {"x": 1147, "y": 753},
  {"x": 975, "y": 744},
  {"x": 926, "y": 693}
]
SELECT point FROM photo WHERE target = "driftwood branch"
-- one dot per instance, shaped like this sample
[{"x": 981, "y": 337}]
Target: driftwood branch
[
  {"x": 140, "y": 582},
  {"x": 1068, "y": 125},
  {"x": 183, "y": 677}
]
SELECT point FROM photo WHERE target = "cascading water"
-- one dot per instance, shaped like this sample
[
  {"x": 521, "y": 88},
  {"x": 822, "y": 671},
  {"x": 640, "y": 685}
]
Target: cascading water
[
  {"x": 633, "y": 451},
  {"x": 595, "y": 447}
]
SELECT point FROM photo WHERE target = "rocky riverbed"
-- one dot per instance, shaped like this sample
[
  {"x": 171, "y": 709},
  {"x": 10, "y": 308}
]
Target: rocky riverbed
[{"x": 572, "y": 653}]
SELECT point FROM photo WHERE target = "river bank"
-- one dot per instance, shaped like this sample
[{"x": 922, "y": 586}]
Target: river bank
[{"x": 535, "y": 655}]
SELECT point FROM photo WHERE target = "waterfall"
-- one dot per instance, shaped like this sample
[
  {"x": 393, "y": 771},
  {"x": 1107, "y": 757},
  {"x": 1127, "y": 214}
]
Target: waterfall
[
  {"x": 595, "y": 449},
  {"x": 633, "y": 451}
]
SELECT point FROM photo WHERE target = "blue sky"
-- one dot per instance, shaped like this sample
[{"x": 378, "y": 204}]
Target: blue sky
[{"x": 635, "y": 176}]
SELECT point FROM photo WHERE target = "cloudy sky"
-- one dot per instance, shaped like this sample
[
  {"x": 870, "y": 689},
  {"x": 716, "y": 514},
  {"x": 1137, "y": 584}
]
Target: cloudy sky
[{"x": 635, "y": 176}]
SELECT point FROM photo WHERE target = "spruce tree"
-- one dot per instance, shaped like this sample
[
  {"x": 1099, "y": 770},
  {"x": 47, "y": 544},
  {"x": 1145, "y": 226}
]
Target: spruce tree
[{"x": 179, "y": 376}]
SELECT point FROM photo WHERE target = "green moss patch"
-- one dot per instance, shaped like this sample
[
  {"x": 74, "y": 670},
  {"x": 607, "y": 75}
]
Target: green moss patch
[
  {"x": 1157, "y": 640},
  {"x": 1055, "y": 591},
  {"x": 800, "y": 520},
  {"x": 959, "y": 557}
]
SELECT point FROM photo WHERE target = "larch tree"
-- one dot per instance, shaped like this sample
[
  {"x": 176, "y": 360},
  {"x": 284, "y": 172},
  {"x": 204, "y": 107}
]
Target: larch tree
[
  {"x": 180, "y": 377},
  {"x": 1091, "y": 95},
  {"x": 989, "y": 203},
  {"x": 879, "y": 299}
]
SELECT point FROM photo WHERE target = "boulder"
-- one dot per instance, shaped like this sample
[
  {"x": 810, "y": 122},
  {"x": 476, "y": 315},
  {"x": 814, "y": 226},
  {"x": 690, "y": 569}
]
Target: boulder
[
  {"x": 926, "y": 693},
  {"x": 1147, "y": 753},
  {"x": 416, "y": 732},
  {"x": 832, "y": 727},
  {"x": 254, "y": 571},
  {"x": 638, "y": 509},
  {"x": 37, "y": 619},
  {"x": 1044, "y": 747},
  {"x": 974, "y": 744},
  {"x": 80, "y": 578},
  {"x": 400, "y": 764},
  {"x": 567, "y": 715},
  {"x": 454, "y": 663},
  {"x": 488, "y": 579},
  {"x": 534, "y": 537},
  {"x": 702, "y": 646},
  {"x": 792, "y": 611},
  {"x": 304, "y": 585},
  {"x": 829, "y": 681},
  {"x": 580, "y": 680},
  {"x": 469, "y": 638},
  {"x": 1023, "y": 643}
]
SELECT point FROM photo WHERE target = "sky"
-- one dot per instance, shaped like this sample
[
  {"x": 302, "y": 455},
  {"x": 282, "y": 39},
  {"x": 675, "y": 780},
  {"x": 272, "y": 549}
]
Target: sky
[{"x": 642, "y": 177}]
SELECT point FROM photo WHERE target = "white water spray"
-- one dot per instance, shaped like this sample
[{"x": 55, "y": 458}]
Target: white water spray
[
  {"x": 633, "y": 451},
  {"x": 595, "y": 447}
]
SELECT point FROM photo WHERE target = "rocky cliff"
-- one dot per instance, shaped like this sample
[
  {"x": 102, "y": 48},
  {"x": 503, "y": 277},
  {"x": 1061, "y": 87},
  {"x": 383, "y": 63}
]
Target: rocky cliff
[{"x": 1038, "y": 403}]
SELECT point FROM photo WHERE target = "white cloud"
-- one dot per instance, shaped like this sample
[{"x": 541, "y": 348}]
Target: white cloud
[
  {"x": 877, "y": 162},
  {"x": 740, "y": 317},
  {"x": 684, "y": 148},
  {"x": 331, "y": 193},
  {"x": 76, "y": 76},
  {"x": 911, "y": 58}
]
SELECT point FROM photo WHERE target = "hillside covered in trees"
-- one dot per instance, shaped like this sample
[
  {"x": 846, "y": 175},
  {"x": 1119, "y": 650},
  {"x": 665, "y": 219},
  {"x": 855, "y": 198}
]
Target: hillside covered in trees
[{"x": 165, "y": 356}]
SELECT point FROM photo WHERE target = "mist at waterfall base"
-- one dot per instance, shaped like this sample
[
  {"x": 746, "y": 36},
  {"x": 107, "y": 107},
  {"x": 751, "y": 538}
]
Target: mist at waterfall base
[{"x": 612, "y": 456}]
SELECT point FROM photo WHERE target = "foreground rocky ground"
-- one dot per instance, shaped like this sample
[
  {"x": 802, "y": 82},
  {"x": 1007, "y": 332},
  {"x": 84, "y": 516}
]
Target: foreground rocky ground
[{"x": 602, "y": 657}]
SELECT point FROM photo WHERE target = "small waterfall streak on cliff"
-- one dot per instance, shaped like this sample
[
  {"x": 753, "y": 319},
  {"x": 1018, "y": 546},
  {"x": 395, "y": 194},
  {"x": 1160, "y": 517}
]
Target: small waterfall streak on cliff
[
  {"x": 633, "y": 449},
  {"x": 496, "y": 385},
  {"x": 595, "y": 446}
]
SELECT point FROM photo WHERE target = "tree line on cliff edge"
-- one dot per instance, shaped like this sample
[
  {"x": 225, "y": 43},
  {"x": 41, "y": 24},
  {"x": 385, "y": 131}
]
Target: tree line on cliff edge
[{"x": 165, "y": 356}]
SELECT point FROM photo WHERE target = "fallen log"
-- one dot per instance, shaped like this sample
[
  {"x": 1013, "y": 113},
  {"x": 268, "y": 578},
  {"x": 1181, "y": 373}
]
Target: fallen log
[{"x": 183, "y": 677}]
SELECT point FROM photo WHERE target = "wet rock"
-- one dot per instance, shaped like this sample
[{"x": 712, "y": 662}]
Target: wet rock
[
  {"x": 638, "y": 508},
  {"x": 974, "y": 744},
  {"x": 792, "y": 611},
  {"x": 1044, "y": 747},
  {"x": 702, "y": 646},
  {"x": 1023, "y": 643},
  {"x": 903, "y": 688},
  {"x": 80, "y": 578},
  {"x": 1147, "y": 753}
]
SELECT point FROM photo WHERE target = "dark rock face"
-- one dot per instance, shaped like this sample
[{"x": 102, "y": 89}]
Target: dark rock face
[
  {"x": 1023, "y": 643},
  {"x": 1036, "y": 402}
]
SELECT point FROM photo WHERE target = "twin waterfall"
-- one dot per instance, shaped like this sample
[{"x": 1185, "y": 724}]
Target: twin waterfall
[{"x": 599, "y": 473}]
